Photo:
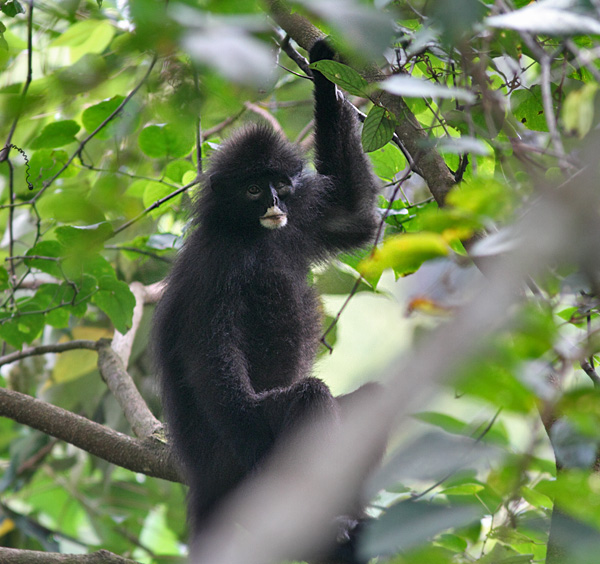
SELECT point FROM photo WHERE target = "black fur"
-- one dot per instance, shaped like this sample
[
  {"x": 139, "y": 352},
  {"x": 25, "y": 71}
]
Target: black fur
[{"x": 238, "y": 326}]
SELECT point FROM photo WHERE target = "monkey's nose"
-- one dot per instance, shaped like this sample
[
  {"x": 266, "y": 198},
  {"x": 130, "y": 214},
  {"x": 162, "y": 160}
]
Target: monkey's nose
[{"x": 274, "y": 196}]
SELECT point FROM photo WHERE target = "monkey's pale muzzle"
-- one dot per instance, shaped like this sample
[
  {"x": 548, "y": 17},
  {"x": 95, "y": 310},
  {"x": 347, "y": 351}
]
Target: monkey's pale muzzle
[{"x": 274, "y": 218}]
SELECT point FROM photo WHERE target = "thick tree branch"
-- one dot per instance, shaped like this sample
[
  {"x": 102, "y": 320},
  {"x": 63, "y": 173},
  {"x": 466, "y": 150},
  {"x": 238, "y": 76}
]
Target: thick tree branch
[
  {"x": 16, "y": 556},
  {"x": 428, "y": 162},
  {"x": 149, "y": 457},
  {"x": 123, "y": 343}
]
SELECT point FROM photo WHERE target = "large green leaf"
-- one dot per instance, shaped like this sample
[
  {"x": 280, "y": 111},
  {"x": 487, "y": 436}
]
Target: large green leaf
[
  {"x": 344, "y": 76},
  {"x": 378, "y": 129},
  {"x": 56, "y": 134},
  {"x": 116, "y": 300},
  {"x": 158, "y": 141},
  {"x": 387, "y": 161}
]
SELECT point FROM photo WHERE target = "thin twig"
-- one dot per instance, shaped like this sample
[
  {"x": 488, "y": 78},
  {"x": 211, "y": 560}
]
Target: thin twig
[
  {"x": 46, "y": 349},
  {"x": 155, "y": 205}
]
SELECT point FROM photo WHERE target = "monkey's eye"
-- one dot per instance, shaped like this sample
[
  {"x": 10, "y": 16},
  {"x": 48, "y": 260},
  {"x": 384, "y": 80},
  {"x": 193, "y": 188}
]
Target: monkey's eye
[{"x": 253, "y": 190}]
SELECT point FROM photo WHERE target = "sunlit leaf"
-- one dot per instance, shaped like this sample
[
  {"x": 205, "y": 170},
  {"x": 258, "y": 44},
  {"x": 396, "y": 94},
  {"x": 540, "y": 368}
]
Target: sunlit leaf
[
  {"x": 404, "y": 254},
  {"x": 483, "y": 197},
  {"x": 73, "y": 364},
  {"x": 86, "y": 36}
]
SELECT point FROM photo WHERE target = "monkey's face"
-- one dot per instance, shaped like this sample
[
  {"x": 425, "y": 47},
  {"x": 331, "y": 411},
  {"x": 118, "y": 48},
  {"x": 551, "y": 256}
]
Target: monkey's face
[{"x": 268, "y": 196}]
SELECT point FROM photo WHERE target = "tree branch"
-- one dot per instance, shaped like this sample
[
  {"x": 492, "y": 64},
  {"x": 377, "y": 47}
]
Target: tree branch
[
  {"x": 149, "y": 457},
  {"x": 17, "y": 556},
  {"x": 120, "y": 383}
]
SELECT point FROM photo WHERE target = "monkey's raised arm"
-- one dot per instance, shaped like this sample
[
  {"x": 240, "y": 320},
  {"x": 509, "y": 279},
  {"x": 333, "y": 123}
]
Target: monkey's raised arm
[{"x": 348, "y": 218}]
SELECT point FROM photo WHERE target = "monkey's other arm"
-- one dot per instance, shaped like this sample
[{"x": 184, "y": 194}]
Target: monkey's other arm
[{"x": 348, "y": 219}]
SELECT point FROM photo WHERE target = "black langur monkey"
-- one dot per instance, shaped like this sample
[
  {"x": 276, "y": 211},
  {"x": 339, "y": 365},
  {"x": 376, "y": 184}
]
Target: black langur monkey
[{"x": 238, "y": 326}]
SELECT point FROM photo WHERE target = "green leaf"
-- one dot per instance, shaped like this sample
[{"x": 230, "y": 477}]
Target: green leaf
[
  {"x": 404, "y": 254},
  {"x": 83, "y": 239},
  {"x": 528, "y": 108},
  {"x": 483, "y": 197},
  {"x": 87, "y": 36},
  {"x": 51, "y": 249},
  {"x": 3, "y": 278},
  {"x": 387, "y": 162},
  {"x": 45, "y": 163},
  {"x": 344, "y": 76},
  {"x": 158, "y": 141},
  {"x": 116, "y": 300},
  {"x": 535, "y": 498},
  {"x": 154, "y": 192},
  {"x": 59, "y": 318},
  {"x": 93, "y": 116},
  {"x": 11, "y": 8},
  {"x": 56, "y": 134},
  {"x": 452, "y": 542},
  {"x": 502, "y": 554},
  {"x": 124, "y": 122},
  {"x": 175, "y": 170},
  {"x": 70, "y": 205},
  {"x": 463, "y": 489},
  {"x": 336, "y": 279},
  {"x": 445, "y": 422},
  {"x": 18, "y": 329},
  {"x": 378, "y": 129},
  {"x": 156, "y": 534}
]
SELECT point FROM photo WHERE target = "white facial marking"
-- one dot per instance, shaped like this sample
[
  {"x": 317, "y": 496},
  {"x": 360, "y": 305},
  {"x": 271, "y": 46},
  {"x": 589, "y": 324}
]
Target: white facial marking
[{"x": 274, "y": 218}]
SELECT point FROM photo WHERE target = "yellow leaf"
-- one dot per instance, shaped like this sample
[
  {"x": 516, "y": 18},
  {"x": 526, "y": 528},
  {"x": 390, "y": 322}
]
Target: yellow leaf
[
  {"x": 404, "y": 254},
  {"x": 71, "y": 365}
]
